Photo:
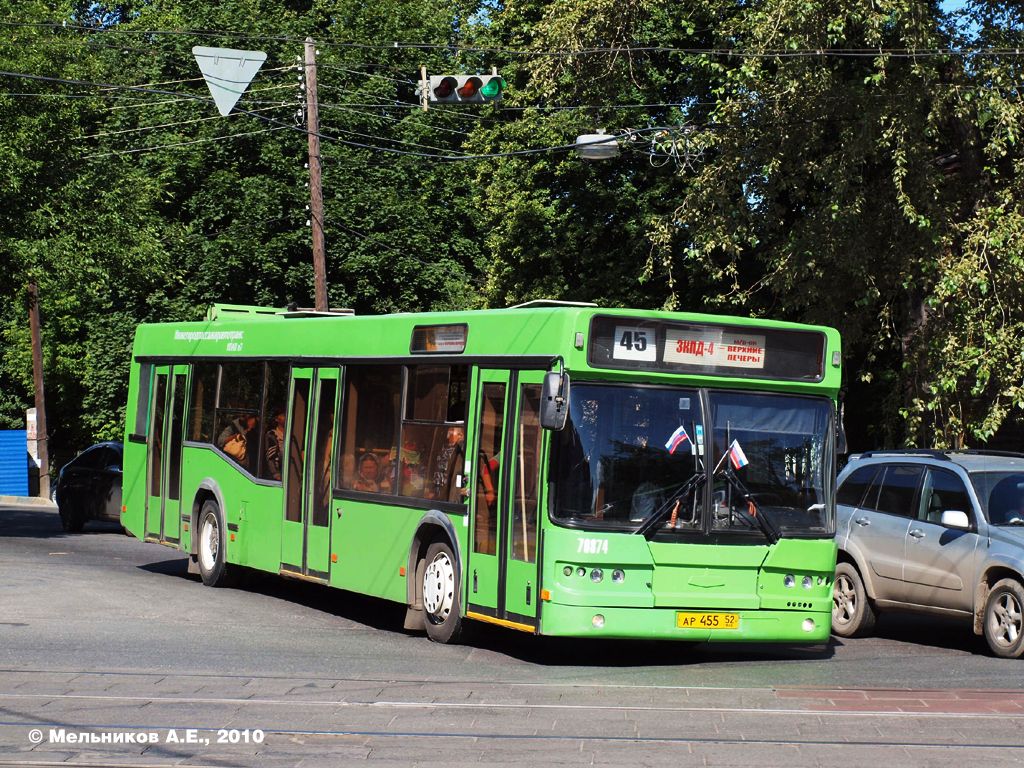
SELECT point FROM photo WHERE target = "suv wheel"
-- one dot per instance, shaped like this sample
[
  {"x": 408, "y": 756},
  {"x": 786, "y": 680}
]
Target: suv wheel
[
  {"x": 1004, "y": 619},
  {"x": 853, "y": 615},
  {"x": 71, "y": 518}
]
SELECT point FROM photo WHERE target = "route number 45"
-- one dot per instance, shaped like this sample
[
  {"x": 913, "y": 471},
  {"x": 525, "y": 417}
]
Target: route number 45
[{"x": 634, "y": 343}]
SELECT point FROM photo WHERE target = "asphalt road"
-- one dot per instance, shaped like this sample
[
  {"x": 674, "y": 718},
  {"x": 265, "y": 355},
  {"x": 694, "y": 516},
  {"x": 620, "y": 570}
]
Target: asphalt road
[{"x": 105, "y": 640}]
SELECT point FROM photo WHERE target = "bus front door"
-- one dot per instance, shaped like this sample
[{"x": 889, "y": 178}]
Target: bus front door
[
  {"x": 166, "y": 422},
  {"x": 309, "y": 448},
  {"x": 502, "y": 575}
]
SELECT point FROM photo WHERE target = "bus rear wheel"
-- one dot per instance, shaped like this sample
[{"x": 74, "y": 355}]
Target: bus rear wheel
[
  {"x": 211, "y": 549},
  {"x": 440, "y": 590}
]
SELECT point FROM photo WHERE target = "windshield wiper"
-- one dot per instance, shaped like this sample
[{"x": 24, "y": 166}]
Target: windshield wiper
[
  {"x": 754, "y": 513},
  {"x": 656, "y": 517}
]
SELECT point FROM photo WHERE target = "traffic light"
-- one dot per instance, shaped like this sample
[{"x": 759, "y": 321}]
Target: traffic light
[{"x": 465, "y": 89}]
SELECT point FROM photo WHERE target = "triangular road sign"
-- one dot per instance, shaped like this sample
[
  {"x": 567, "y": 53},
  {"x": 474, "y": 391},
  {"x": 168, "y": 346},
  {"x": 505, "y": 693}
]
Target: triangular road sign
[{"x": 228, "y": 73}]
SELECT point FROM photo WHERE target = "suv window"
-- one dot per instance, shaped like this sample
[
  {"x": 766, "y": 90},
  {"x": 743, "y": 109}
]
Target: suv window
[
  {"x": 1001, "y": 495},
  {"x": 852, "y": 491},
  {"x": 897, "y": 490},
  {"x": 943, "y": 490}
]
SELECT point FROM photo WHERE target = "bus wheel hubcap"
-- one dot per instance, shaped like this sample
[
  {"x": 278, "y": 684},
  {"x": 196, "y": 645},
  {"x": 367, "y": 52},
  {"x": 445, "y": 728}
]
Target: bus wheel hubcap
[
  {"x": 209, "y": 542},
  {"x": 439, "y": 587}
]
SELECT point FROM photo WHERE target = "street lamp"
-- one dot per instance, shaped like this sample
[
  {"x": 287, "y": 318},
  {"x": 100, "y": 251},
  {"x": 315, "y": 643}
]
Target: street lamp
[{"x": 597, "y": 146}]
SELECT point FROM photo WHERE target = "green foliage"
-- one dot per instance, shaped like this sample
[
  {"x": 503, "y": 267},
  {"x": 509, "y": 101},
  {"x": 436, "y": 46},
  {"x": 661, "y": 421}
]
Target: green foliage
[{"x": 878, "y": 193}]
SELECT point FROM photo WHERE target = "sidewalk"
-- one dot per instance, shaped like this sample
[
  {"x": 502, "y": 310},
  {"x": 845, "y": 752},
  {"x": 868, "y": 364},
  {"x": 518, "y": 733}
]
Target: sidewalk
[{"x": 26, "y": 501}]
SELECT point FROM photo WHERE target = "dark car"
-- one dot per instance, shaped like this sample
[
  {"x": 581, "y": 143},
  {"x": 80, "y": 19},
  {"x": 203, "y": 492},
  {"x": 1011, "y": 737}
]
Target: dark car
[
  {"x": 939, "y": 532},
  {"x": 89, "y": 486}
]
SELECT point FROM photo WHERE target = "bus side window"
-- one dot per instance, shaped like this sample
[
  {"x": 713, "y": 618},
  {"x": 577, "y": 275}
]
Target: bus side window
[
  {"x": 237, "y": 426},
  {"x": 275, "y": 404},
  {"x": 203, "y": 401},
  {"x": 434, "y": 432},
  {"x": 372, "y": 405}
]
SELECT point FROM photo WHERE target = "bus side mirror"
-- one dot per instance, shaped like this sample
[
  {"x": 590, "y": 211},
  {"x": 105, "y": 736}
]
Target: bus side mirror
[{"x": 554, "y": 400}]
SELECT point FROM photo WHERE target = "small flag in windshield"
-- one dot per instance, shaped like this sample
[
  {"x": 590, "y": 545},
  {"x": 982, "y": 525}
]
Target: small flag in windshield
[
  {"x": 678, "y": 438},
  {"x": 737, "y": 456}
]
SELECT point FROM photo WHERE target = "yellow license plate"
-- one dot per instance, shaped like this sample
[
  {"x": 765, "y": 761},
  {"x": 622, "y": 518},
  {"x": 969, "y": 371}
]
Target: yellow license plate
[{"x": 708, "y": 620}]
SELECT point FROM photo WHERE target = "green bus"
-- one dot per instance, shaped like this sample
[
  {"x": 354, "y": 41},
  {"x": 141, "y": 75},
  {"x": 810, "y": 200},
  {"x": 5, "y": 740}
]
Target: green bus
[{"x": 557, "y": 469}]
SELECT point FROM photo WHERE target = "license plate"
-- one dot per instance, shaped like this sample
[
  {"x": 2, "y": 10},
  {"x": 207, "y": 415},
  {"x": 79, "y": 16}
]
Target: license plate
[{"x": 708, "y": 620}]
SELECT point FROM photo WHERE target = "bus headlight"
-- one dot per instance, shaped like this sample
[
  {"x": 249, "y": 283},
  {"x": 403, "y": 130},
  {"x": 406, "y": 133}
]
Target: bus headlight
[
  {"x": 808, "y": 582},
  {"x": 618, "y": 576},
  {"x": 789, "y": 581},
  {"x": 596, "y": 575}
]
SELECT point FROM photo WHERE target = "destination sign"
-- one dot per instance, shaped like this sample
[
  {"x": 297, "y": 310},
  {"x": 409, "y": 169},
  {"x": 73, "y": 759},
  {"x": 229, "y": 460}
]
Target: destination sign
[
  {"x": 714, "y": 347},
  {"x": 707, "y": 349}
]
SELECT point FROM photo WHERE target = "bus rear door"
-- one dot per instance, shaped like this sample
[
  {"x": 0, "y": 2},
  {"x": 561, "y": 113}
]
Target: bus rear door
[{"x": 167, "y": 418}]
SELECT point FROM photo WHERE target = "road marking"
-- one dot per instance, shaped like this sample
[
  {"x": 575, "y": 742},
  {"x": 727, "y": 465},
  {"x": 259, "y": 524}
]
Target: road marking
[
  {"x": 542, "y": 737},
  {"x": 497, "y": 705}
]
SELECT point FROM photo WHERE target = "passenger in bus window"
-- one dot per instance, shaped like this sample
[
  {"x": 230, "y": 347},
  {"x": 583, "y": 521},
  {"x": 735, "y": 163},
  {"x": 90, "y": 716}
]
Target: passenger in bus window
[
  {"x": 275, "y": 445},
  {"x": 234, "y": 438},
  {"x": 368, "y": 474},
  {"x": 448, "y": 464},
  {"x": 488, "y": 470},
  {"x": 412, "y": 471},
  {"x": 387, "y": 476}
]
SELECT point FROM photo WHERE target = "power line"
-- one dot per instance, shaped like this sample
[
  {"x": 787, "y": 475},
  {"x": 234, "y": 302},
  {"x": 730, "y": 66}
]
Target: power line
[
  {"x": 272, "y": 121},
  {"x": 172, "y": 125},
  {"x": 385, "y": 138},
  {"x": 812, "y": 52},
  {"x": 181, "y": 143},
  {"x": 392, "y": 118},
  {"x": 338, "y": 68},
  {"x": 212, "y": 77}
]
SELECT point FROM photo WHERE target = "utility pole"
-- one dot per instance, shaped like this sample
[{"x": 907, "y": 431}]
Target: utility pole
[
  {"x": 316, "y": 192},
  {"x": 37, "y": 376}
]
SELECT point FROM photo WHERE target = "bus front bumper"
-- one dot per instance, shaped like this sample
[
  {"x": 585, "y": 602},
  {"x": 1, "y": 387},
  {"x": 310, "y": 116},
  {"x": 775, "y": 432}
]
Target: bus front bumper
[{"x": 754, "y": 626}]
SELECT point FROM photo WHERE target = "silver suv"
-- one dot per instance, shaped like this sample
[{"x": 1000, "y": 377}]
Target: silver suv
[{"x": 934, "y": 531}]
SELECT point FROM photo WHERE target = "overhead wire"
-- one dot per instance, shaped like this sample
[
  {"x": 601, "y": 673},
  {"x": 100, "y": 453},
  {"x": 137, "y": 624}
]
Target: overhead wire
[
  {"x": 181, "y": 143},
  {"x": 272, "y": 121},
  {"x": 377, "y": 116},
  {"x": 174, "y": 124},
  {"x": 823, "y": 51}
]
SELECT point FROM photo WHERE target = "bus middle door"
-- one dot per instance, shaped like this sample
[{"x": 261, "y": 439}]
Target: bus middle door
[{"x": 306, "y": 527}]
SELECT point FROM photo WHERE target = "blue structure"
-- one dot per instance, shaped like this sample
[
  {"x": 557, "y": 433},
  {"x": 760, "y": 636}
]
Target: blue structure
[{"x": 13, "y": 462}]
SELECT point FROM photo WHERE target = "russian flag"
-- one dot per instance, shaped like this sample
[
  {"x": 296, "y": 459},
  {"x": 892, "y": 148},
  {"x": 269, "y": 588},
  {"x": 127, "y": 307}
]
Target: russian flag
[
  {"x": 678, "y": 438},
  {"x": 737, "y": 456}
]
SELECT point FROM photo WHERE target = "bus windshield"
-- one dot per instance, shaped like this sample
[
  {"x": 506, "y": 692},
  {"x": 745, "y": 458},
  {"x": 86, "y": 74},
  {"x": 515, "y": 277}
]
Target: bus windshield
[{"x": 630, "y": 454}]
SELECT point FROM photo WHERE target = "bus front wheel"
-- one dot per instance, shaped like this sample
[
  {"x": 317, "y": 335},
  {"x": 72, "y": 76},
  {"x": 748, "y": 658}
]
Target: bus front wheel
[
  {"x": 211, "y": 549},
  {"x": 441, "y": 604}
]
